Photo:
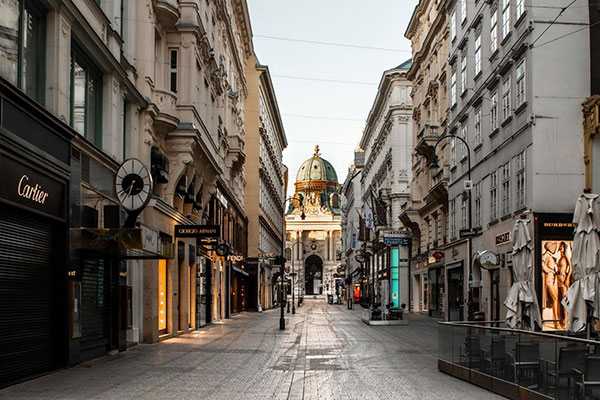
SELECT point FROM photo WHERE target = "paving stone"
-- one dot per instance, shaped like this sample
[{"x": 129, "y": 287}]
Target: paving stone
[{"x": 325, "y": 353}]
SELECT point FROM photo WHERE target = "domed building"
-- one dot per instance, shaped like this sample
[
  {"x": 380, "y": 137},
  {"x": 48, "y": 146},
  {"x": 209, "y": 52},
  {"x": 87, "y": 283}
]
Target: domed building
[{"x": 313, "y": 229}]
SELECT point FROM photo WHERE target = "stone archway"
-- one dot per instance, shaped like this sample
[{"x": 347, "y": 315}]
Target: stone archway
[{"x": 313, "y": 275}]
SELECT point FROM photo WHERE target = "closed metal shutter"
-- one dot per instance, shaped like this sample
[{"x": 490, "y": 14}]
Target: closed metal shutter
[
  {"x": 94, "y": 308},
  {"x": 27, "y": 268}
]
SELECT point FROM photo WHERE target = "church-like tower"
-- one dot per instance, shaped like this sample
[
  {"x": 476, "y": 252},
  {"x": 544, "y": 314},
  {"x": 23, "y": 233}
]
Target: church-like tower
[{"x": 313, "y": 225}]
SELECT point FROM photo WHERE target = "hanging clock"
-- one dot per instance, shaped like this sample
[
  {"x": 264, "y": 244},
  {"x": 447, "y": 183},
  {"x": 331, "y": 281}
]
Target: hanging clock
[{"x": 133, "y": 184}]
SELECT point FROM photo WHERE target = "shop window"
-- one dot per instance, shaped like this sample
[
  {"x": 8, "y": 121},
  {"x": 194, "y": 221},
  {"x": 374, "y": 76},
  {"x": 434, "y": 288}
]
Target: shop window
[
  {"x": 22, "y": 34},
  {"x": 162, "y": 296},
  {"x": 86, "y": 97}
]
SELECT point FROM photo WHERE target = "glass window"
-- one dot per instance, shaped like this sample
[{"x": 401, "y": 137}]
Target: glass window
[
  {"x": 21, "y": 46},
  {"x": 463, "y": 11},
  {"x": 505, "y": 18},
  {"x": 520, "y": 83},
  {"x": 494, "y": 195},
  {"x": 494, "y": 31},
  {"x": 505, "y": 189},
  {"x": 478, "y": 53},
  {"x": 477, "y": 190},
  {"x": 463, "y": 212},
  {"x": 520, "y": 180},
  {"x": 453, "y": 88},
  {"x": 453, "y": 25},
  {"x": 173, "y": 70},
  {"x": 452, "y": 206},
  {"x": 463, "y": 72},
  {"x": 86, "y": 97},
  {"x": 464, "y": 133},
  {"x": 520, "y": 5},
  {"x": 478, "y": 126},
  {"x": 506, "y": 110},
  {"x": 494, "y": 111}
]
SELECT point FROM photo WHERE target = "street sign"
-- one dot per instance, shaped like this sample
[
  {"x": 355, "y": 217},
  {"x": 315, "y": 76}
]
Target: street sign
[
  {"x": 395, "y": 238},
  {"x": 467, "y": 233},
  {"x": 438, "y": 255},
  {"x": 468, "y": 184},
  {"x": 197, "y": 231}
]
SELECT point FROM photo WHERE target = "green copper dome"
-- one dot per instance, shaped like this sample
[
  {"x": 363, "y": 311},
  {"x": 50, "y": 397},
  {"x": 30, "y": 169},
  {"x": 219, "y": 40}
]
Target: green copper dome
[{"x": 316, "y": 169}]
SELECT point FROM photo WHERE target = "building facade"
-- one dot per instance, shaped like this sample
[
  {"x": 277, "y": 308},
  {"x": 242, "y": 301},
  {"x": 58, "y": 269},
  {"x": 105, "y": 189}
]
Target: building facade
[
  {"x": 520, "y": 130},
  {"x": 351, "y": 215},
  {"x": 385, "y": 186},
  {"x": 84, "y": 87},
  {"x": 426, "y": 211},
  {"x": 265, "y": 180},
  {"x": 313, "y": 229}
]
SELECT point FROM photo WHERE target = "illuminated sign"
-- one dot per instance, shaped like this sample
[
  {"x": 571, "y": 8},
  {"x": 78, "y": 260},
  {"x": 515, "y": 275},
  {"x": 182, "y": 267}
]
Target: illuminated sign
[{"x": 197, "y": 231}]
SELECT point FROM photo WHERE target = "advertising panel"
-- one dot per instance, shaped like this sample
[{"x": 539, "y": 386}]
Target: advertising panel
[{"x": 556, "y": 279}]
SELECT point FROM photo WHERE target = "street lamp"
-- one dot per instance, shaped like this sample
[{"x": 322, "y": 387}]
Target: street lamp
[
  {"x": 434, "y": 165},
  {"x": 303, "y": 217}
]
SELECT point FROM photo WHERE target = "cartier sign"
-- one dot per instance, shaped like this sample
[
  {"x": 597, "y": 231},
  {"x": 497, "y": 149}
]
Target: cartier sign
[{"x": 27, "y": 187}]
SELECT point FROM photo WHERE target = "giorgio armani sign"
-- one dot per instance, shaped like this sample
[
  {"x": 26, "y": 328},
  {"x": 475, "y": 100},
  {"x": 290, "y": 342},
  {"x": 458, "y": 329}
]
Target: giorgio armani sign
[{"x": 27, "y": 187}]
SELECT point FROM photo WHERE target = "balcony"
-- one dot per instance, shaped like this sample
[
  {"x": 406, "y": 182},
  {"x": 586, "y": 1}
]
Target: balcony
[
  {"x": 166, "y": 12},
  {"x": 163, "y": 109},
  {"x": 409, "y": 215},
  {"x": 426, "y": 139}
]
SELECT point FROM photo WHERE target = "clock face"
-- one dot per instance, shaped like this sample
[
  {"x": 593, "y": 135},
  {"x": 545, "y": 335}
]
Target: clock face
[{"x": 133, "y": 184}]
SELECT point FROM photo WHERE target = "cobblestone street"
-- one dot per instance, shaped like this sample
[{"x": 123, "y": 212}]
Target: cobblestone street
[{"x": 326, "y": 352}]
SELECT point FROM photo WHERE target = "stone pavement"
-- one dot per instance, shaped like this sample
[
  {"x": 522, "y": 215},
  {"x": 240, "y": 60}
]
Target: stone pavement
[{"x": 326, "y": 352}]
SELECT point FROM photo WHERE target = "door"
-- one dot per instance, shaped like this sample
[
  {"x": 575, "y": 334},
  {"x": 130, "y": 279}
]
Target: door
[
  {"x": 95, "y": 307},
  {"x": 455, "y": 294},
  {"x": 495, "y": 294},
  {"x": 28, "y": 320}
]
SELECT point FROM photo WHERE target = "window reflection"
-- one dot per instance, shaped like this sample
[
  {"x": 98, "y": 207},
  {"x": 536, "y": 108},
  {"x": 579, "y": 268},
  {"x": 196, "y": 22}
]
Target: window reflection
[
  {"x": 9, "y": 35},
  {"x": 78, "y": 98}
]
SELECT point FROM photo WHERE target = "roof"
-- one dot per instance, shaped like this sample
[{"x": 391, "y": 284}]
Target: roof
[
  {"x": 316, "y": 169},
  {"x": 406, "y": 64}
]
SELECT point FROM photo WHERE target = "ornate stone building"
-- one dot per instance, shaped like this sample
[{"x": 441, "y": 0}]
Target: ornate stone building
[
  {"x": 426, "y": 211},
  {"x": 313, "y": 228},
  {"x": 385, "y": 184},
  {"x": 265, "y": 180}
]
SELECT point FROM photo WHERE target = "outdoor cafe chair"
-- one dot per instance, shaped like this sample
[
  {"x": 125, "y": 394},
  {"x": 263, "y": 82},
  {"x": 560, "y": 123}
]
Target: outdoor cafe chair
[
  {"x": 589, "y": 378},
  {"x": 494, "y": 357},
  {"x": 470, "y": 351},
  {"x": 570, "y": 359},
  {"x": 525, "y": 358}
]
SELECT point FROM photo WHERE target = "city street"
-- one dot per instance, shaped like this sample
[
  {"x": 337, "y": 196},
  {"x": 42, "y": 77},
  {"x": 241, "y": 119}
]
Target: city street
[{"x": 326, "y": 352}]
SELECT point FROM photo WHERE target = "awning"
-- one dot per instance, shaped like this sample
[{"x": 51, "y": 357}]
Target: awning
[
  {"x": 241, "y": 271},
  {"x": 132, "y": 243}
]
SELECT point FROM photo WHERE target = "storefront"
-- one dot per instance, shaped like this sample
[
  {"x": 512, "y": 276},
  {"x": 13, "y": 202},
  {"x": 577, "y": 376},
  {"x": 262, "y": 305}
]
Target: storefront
[
  {"x": 456, "y": 298},
  {"x": 553, "y": 250},
  {"x": 437, "y": 290},
  {"x": 35, "y": 168}
]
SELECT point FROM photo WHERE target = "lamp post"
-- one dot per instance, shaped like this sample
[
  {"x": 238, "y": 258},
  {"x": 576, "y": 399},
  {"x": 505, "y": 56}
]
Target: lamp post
[
  {"x": 302, "y": 216},
  {"x": 434, "y": 165}
]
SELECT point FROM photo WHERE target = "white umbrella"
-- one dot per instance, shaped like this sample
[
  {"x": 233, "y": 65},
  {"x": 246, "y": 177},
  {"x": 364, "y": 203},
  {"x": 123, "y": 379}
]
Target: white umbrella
[
  {"x": 523, "y": 311},
  {"x": 585, "y": 290}
]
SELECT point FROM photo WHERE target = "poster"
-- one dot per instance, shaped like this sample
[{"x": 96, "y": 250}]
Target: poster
[{"x": 556, "y": 278}]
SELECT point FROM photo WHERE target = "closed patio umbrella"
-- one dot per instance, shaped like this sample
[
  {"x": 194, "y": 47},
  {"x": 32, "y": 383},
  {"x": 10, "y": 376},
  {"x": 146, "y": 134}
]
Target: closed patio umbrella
[
  {"x": 523, "y": 311},
  {"x": 583, "y": 296}
]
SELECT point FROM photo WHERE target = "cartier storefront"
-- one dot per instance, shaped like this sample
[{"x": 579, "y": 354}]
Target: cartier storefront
[{"x": 35, "y": 167}]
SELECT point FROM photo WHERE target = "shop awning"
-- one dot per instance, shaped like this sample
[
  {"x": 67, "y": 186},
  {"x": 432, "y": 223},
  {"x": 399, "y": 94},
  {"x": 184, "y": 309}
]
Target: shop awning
[{"x": 132, "y": 243}]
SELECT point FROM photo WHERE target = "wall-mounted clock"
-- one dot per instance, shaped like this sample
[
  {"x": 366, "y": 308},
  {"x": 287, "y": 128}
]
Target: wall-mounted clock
[
  {"x": 313, "y": 246},
  {"x": 133, "y": 184}
]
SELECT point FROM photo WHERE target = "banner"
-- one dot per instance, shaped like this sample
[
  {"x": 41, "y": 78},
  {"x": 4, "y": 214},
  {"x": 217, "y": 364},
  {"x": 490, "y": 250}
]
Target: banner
[
  {"x": 369, "y": 221},
  {"x": 353, "y": 238}
]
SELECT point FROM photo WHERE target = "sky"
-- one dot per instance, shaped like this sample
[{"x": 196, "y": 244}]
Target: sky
[{"x": 329, "y": 114}]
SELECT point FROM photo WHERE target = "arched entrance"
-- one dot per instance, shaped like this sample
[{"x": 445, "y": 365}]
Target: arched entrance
[{"x": 313, "y": 275}]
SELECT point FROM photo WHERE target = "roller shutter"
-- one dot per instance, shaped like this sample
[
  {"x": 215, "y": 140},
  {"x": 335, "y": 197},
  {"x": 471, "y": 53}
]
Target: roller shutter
[
  {"x": 28, "y": 256},
  {"x": 95, "y": 334}
]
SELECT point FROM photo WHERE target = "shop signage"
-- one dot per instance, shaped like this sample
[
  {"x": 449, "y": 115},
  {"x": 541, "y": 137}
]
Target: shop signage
[
  {"x": 150, "y": 241},
  {"x": 197, "y": 231},
  {"x": 503, "y": 238},
  {"x": 438, "y": 255},
  {"x": 466, "y": 233},
  {"x": 231, "y": 257},
  {"x": 267, "y": 255},
  {"x": 395, "y": 238},
  {"x": 27, "y": 187}
]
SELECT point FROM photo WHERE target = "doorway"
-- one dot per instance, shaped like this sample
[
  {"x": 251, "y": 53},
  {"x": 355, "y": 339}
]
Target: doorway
[
  {"x": 455, "y": 294},
  {"x": 313, "y": 275},
  {"x": 495, "y": 294}
]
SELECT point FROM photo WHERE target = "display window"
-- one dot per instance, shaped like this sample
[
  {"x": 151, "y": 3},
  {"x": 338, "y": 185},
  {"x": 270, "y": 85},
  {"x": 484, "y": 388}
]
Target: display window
[{"x": 556, "y": 278}]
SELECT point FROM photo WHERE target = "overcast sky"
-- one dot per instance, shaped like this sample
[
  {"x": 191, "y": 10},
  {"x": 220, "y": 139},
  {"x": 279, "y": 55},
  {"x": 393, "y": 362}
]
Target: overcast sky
[{"x": 329, "y": 114}]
